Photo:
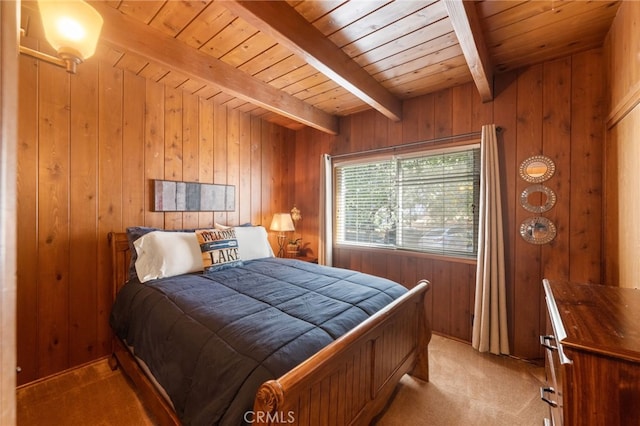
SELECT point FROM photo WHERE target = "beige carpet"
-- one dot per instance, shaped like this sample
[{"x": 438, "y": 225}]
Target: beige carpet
[
  {"x": 469, "y": 388},
  {"x": 92, "y": 395},
  {"x": 466, "y": 388}
]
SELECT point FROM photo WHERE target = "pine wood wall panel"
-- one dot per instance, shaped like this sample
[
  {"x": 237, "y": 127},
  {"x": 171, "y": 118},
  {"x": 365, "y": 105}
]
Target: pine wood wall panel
[
  {"x": 623, "y": 45},
  {"x": 154, "y": 149},
  {"x": 547, "y": 109},
  {"x": 505, "y": 113},
  {"x": 133, "y": 149},
  {"x": 27, "y": 229},
  {"x": 587, "y": 104},
  {"x": 110, "y": 189},
  {"x": 9, "y": 80},
  {"x": 53, "y": 222},
  {"x": 528, "y": 268},
  {"x": 90, "y": 146},
  {"x": 621, "y": 175},
  {"x": 205, "y": 153},
  {"x": 83, "y": 247}
]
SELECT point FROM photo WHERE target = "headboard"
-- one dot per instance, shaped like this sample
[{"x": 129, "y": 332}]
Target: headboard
[{"x": 120, "y": 258}]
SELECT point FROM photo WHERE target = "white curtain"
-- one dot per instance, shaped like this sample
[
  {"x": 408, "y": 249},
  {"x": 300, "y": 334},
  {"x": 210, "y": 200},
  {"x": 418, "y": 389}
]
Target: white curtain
[
  {"x": 490, "y": 320},
  {"x": 325, "y": 253}
]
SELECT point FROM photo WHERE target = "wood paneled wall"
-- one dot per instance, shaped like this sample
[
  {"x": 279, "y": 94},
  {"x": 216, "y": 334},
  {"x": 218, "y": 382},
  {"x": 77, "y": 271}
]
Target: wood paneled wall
[
  {"x": 622, "y": 156},
  {"x": 89, "y": 147},
  {"x": 556, "y": 109},
  {"x": 8, "y": 172}
]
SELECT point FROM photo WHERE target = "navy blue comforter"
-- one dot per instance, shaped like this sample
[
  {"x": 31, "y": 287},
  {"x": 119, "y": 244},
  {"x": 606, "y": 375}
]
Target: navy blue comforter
[{"x": 212, "y": 340}]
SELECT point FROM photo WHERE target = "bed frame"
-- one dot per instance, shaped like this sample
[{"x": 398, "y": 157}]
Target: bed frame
[{"x": 348, "y": 382}]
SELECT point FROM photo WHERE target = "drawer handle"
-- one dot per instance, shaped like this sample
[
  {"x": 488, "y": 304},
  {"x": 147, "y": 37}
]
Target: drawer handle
[
  {"x": 544, "y": 341},
  {"x": 543, "y": 396}
]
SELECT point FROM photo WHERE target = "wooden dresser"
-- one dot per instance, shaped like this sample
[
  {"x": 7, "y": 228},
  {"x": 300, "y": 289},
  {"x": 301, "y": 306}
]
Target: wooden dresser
[{"x": 592, "y": 354}]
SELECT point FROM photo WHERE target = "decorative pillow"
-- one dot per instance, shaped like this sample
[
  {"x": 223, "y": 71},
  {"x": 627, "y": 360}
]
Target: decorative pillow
[
  {"x": 219, "y": 248},
  {"x": 163, "y": 254},
  {"x": 253, "y": 242}
]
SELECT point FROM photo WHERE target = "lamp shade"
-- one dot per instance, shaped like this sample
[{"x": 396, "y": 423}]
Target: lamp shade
[
  {"x": 71, "y": 27},
  {"x": 282, "y": 222}
]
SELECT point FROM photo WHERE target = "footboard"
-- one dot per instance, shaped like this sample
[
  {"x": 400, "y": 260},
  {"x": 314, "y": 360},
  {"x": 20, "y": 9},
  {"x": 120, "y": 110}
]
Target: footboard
[{"x": 351, "y": 380}]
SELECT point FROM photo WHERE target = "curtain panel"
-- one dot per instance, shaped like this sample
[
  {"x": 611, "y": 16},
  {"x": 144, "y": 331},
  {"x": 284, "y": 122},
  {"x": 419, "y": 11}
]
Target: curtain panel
[{"x": 490, "y": 333}]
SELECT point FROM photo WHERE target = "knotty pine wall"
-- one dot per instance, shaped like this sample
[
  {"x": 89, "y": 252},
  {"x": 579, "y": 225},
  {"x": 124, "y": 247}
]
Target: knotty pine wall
[
  {"x": 89, "y": 146},
  {"x": 622, "y": 175},
  {"x": 556, "y": 109}
]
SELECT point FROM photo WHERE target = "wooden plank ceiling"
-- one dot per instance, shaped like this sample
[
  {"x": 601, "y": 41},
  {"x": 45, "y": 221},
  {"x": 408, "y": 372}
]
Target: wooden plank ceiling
[{"x": 300, "y": 63}]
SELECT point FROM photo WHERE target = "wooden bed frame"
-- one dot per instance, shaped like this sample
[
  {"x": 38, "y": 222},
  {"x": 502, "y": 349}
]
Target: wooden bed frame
[{"x": 348, "y": 382}]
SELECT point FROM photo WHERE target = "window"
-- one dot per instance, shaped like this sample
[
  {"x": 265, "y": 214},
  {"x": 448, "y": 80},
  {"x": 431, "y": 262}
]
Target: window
[{"x": 425, "y": 201}]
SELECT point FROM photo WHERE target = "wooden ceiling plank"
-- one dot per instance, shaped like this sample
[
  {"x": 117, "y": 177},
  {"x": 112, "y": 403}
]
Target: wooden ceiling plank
[
  {"x": 314, "y": 10},
  {"x": 418, "y": 64},
  {"x": 273, "y": 59},
  {"x": 376, "y": 21},
  {"x": 252, "y": 48},
  {"x": 174, "y": 79},
  {"x": 133, "y": 63},
  {"x": 287, "y": 65},
  {"x": 414, "y": 27},
  {"x": 430, "y": 51},
  {"x": 488, "y": 9},
  {"x": 436, "y": 81},
  {"x": 213, "y": 19},
  {"x": 233, "y": 35},
  {"x": 466, "y": 25},
  {"x": 129, "y": 34},
  {"x": 153, "y": 71},
  {"x": 430, "y": 37},
  {"x": 571, "y": 35},
  {"x": 207, "y": 92},
  {"x": 346, "y": 14},
  {"x": 575, "y": 13},
  {"x": 432, "y": 70},
  {"x": 289, "y": 28},
  {"x": 175, "y": 15},
  {"x": 141, "y": 10}
]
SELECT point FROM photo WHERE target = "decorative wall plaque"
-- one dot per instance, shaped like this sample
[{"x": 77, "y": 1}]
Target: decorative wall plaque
[
  {"x": 172, "y": 196},
  {"x": 537, "y": 230},
  {"x": 536, "y": 169},
  {"x": 537, "y": 198}
]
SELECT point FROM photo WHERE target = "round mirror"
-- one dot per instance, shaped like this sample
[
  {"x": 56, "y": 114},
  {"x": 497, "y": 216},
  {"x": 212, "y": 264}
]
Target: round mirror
[
  {"x": 537, "y": 169},
  {"x": 537, "y": 230},
  {"x": 537, "y": 198}
]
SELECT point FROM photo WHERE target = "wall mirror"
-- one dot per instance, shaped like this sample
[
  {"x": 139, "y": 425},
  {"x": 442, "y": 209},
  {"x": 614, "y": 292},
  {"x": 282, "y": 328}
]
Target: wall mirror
[
  {"x": 537, "y": 168},
  {"x": 537, "y": 198},
  {"x": 537, "y": 230}
]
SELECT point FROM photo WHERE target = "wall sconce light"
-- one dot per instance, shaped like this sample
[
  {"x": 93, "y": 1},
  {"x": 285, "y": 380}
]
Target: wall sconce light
[
  {"x": 282, "y": 223},
  {"x": 72, "y": 28}
]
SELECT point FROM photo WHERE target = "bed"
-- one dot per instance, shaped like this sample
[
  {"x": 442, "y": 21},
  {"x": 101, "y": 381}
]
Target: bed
[{"x": 334, "y": 365}]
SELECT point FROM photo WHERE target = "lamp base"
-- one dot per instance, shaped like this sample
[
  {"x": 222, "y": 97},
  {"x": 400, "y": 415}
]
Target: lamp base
[{"x": 281, "y": 238}]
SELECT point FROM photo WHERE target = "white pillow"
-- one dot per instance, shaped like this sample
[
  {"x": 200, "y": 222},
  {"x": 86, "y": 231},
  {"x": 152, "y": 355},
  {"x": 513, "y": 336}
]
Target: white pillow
[
  {"x": 166, "y": 254},
  {"x": 253, "y": 242}
]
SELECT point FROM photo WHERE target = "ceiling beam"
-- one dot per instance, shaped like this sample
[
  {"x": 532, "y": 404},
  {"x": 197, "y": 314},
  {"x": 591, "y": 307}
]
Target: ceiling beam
[
  {"x": 466, "y": 25},
  {"x": 281, "y": 21},
  {"x": 131, "y": 35}
]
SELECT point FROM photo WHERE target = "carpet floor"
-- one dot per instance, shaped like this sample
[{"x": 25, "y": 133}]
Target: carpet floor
[{"x": 465, "y": 388}]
